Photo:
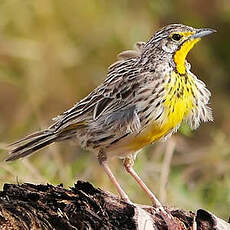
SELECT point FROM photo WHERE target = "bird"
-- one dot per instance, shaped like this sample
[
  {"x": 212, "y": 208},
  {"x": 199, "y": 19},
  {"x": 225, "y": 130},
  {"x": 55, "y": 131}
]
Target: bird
[{"x": 144, "y": 98}]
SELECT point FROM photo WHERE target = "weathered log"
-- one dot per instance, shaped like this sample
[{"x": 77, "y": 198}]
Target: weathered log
[{"x": 29, "y": 206}]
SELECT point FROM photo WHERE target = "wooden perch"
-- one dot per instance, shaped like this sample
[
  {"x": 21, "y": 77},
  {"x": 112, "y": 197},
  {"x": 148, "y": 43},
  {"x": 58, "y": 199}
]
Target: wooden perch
[{"x": 30, "y": 206}]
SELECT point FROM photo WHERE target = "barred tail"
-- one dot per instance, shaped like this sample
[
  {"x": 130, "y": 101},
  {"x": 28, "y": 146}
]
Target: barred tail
[{"x": 30, "y": 144}]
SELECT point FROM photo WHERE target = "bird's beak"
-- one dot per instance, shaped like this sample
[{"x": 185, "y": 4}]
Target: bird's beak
[{"x": 202, "y": 32}]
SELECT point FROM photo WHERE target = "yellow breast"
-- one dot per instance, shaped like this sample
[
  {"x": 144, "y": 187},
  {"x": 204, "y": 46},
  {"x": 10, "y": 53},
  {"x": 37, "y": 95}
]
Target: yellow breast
[{"x": 178, "y": 103}]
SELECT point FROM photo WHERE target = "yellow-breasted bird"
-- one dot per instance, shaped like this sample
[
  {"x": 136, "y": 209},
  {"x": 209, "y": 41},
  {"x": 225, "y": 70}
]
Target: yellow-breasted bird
[{"x": 144, "y": 98}]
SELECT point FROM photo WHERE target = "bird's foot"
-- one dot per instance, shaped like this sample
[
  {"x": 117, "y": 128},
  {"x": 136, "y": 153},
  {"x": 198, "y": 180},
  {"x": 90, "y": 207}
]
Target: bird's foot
[{"x": 126, "y": 199}]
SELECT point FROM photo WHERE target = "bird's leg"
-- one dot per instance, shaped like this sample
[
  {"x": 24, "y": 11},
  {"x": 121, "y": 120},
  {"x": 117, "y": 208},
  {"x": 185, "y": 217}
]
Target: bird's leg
[
  {"x": 128, "y": 164},
  {"x": 103, "y": 162},
  {"x": 166, "y": 215}
]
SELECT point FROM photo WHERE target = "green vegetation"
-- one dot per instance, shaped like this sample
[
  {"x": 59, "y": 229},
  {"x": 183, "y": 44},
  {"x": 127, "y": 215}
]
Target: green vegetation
[{"x": 52, "y": 53}]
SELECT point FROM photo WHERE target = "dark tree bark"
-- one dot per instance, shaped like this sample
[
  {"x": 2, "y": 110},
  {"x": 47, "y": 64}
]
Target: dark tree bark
[{"x": 30, "y": 206}]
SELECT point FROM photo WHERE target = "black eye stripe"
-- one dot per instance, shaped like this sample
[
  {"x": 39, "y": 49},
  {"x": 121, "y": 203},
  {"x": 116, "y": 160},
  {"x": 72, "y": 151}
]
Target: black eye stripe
[{"x": 176, "y": 37}]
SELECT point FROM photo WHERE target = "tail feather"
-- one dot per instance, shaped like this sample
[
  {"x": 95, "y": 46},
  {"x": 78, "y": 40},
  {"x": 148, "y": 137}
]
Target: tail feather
[
  {"x": 31, "y": 144},
  {"x": 30, "y": 137}
]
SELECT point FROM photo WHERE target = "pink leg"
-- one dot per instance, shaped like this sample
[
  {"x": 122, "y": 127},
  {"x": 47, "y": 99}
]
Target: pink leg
[
  {"x": 103, "y": 163},
  {"x": 128, "y": 163},
  {"x": 168, "y": 218}
]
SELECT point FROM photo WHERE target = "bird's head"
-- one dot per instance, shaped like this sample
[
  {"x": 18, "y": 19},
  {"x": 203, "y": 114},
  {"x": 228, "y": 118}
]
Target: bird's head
[{"x": 178, "y": 40}]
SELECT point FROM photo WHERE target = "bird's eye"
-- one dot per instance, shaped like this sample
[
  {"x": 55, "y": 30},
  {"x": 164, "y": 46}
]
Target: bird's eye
[{"x": 176, "y": 37}]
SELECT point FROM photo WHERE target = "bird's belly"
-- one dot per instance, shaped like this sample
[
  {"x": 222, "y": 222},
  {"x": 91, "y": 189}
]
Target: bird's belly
[
  {"x": 172, "y": 118},
  {"x": 150, "y": 134},
  {"x": 134, "y": 142}
]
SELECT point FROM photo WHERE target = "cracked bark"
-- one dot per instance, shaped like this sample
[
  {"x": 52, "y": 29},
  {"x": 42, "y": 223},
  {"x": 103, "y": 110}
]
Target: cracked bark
[{"x": 29, "y": 206}]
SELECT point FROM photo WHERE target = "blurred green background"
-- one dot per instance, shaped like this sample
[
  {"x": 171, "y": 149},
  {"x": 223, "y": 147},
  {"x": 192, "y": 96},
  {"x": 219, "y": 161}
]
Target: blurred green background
[{"x": 53, "y": 53}]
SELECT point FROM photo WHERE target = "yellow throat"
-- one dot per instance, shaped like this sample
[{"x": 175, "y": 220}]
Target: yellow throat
[{"x": 180, "y": 55}]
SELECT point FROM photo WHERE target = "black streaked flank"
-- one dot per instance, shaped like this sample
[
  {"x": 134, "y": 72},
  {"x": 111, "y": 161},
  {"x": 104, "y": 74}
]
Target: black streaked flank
[{"x": 118, "y": 139}]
